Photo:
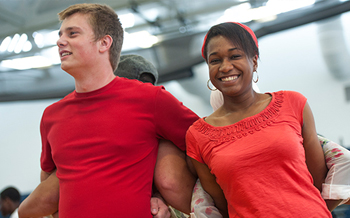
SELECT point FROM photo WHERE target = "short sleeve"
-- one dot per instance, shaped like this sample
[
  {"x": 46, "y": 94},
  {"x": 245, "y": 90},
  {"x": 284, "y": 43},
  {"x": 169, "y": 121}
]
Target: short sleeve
[
  {"x": 193, "y": 150},
  {"x": 172, "y": 118},
  {"x": 46, "y": 160},
  {"x": 297, "y": 103}
]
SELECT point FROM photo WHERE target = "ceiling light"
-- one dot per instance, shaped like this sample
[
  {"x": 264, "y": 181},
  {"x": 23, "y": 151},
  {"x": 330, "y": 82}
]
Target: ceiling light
[
  {"x": 13, "y": 43},
  {"x": 22, "y": 40},
  {"x": 38, "y": 39},
  {"x": 5, "y": 44},
  {"x": 281, "y": 6},
  {"x": 26, "y": 63},
  {"x": 127, "y": 20},
  {"x": 238, "y": 13},
  {"x": 27, "y": 46},
  {"x": 142, "y": 39}
]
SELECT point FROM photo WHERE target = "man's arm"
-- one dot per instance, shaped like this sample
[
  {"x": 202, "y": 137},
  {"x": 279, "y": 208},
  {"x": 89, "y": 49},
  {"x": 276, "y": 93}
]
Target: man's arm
[
  {"x": 173, "y": 178},
  {"x": 43, "y": 201}
]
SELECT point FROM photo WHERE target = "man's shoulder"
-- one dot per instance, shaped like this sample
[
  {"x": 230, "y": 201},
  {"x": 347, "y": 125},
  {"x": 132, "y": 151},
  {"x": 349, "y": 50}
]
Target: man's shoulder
[{"x": 135, "y": 86}]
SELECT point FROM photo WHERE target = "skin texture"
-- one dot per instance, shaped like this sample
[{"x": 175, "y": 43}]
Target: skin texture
[
  {"x": 231, "y": 72},
  {"x": 172, "y": 176},
  {"x": 47, "y": 193}
]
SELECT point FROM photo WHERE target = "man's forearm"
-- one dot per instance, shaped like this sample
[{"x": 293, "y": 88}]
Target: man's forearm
[{"x": 43, "y": 200}]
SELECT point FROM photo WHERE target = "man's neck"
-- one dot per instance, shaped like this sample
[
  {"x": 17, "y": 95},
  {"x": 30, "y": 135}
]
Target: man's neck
[{"x": 93, "y": 82}]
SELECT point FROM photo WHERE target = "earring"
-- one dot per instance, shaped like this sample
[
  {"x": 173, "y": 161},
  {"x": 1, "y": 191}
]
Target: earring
[
  {"x": 209, "y": 86},
  {"x": 257, "y": 77}
]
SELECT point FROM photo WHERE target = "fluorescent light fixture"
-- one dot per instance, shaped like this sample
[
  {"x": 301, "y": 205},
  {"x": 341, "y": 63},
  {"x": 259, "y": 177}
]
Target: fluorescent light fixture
[
  {"x": 127, "y": 20},
  {"x": 238, "y": 13},
  {"x": 5, "y": 44},
  {"x": 280, "y": 6},
  {"x": 244, "y": 13},
  {"x": 151, "y": 13},
  {"x": 27, "y": 46},
  {"x": 13, "y": 43},
  {"x": 22, "y": 40},
  {"x": 26, "y": 63},
  {"x": 38, "y": 39},
  {"x": 45, "y": 38},
  {"x": 142, "y": 39},
  {"x": 51, "y": 38}
]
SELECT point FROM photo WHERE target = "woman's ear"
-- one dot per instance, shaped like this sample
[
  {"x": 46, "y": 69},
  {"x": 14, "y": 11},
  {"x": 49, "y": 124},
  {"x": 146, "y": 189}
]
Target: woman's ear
[
  {"x": 105, "y": 43},
  {"x": 255, "y": 63}
]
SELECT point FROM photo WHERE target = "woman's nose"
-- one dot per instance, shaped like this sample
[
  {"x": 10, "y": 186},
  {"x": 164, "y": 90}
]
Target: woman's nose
[{"x": 226, "y": 66}]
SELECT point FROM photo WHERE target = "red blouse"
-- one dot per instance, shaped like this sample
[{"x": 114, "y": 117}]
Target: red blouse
[{"x": 259, "y": 162}]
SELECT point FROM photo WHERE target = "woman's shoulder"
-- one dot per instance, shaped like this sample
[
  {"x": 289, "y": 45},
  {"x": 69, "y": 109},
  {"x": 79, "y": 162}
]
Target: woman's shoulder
[{"x": 288, "y": 94}]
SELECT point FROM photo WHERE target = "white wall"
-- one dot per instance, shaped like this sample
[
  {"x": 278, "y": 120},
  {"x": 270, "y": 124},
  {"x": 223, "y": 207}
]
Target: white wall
[
  {"x": 293, "y": 60},
  {"x": 20, "y": 144},
  {"x": 290, "y": 60}
]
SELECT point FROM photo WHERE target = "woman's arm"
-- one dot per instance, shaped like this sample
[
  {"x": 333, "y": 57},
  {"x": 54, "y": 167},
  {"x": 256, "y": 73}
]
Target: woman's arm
[
  {"x": 210, "y": 185},
  {"x": 315, "y": 160}
]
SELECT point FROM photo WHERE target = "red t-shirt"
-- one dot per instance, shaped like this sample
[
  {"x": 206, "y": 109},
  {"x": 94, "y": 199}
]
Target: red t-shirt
[
  {"x": 259, "y": 162},
  {"x": 104, "y": 145}
]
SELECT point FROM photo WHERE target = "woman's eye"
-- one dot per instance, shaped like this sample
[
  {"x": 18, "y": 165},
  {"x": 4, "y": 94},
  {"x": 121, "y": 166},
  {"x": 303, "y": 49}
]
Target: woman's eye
[
  {"x": 235, "y": 56},
  {"x": 214, "y": 61}
]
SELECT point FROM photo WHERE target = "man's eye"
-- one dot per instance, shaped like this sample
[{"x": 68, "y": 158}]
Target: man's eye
[{"x": 72, "y": 33}]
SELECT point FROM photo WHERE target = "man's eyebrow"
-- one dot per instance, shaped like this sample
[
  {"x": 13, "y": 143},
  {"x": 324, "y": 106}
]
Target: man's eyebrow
[{"x": 68, "y": 29}]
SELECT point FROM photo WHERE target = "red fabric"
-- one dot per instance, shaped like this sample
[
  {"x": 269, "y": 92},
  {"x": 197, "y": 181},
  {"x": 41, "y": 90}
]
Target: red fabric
[
  {"x": 104, "y": 144},
  {"x": 259, "y": 162}
]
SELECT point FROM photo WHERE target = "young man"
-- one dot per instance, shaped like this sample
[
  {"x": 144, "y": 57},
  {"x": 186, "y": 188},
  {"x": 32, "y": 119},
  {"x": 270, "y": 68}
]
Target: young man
[
  {"x": 9, "y": 202},
  {"x": 103, "y": 137},
  {"x": 44, "y": 199}
]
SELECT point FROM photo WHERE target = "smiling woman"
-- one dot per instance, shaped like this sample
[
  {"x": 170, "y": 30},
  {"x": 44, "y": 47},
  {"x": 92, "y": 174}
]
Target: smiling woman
[{"x": 250, "y": 153}]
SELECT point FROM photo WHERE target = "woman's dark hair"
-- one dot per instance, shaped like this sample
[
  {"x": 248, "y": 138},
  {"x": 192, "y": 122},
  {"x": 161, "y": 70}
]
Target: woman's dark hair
[{"x": 236, "y": 34}]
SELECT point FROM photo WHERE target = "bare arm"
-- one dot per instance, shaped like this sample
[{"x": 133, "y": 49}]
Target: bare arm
[
  {"x": 210, "y": 185},
  {"x": 173, "y": 178},
  {"x": 314, "y": 154},
  {"x": 315, "y": 160},
  {"x": 43, "y": 200}
]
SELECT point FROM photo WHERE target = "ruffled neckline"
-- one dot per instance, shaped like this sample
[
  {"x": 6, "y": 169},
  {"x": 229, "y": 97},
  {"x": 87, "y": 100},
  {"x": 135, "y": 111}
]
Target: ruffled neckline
[{"x": 243, "y": 127}]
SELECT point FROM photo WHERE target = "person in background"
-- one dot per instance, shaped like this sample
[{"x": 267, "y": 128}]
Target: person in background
[
  {"x": 44, "y": 199},
  {"x": 9, "y": 202},
  {"x": 258, "y": 155},
  {"x": 103, "y": 137}
]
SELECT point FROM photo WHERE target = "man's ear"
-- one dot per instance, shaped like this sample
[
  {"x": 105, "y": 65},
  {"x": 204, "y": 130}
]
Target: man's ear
[{"x": 105, "y": 43}]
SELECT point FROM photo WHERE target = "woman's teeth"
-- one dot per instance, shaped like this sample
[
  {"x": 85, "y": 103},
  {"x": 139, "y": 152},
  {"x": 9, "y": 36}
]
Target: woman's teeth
[{"x": 230, "y": 78}]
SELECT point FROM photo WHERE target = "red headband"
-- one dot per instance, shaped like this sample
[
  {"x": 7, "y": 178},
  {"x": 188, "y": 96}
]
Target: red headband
[{"x": 250, "y": 31}]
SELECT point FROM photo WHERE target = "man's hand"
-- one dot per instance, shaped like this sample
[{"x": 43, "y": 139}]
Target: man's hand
[{"x": 159, "y": 209}]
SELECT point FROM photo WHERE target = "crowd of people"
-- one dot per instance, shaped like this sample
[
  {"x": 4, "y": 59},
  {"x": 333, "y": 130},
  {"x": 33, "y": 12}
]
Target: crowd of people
[{"x": 120, "y": 146}]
